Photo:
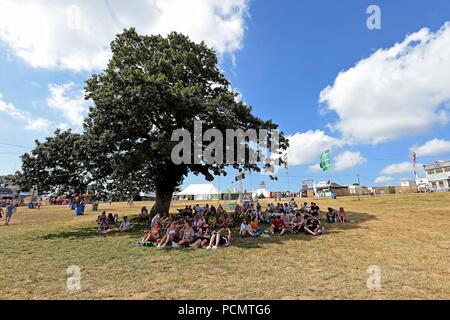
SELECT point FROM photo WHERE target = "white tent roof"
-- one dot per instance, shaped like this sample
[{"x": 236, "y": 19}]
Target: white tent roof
[
  {"x": 199, "y": 189},
  {"x": 263, "y": 191}
]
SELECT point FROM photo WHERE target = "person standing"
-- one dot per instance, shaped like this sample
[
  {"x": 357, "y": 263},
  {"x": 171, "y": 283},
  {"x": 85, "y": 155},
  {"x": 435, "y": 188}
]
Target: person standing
[{"x": 10, "y": 210}]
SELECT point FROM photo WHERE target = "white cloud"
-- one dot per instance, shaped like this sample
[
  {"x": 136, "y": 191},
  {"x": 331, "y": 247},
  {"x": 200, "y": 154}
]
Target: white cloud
[
  {"x": 63, "y": 126},
  {"x": 435, "y": 147},
  {"x": 76, "y": 36},
  {"x": 306, "y": 147},
  {"x": 69, "y": 102},
  {"x": 347, "y": 160},
  {"x": 404, "y": 167},
  {"x": 384, "y": 179},
  {"x": 398, "y": 168},
  {"x": 38, "y": 124},
  {"x": 396, "y": 92},
  {"x": 31, "y": 123},
  {"x": 314, "y": 168}
]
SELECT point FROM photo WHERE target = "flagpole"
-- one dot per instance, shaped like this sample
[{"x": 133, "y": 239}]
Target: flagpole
[
  {"x": 325, "y": 164},
  {"x": 359, "y": 182}
]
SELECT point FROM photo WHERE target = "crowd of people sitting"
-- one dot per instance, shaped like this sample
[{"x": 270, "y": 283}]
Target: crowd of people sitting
[
  {"x": 199, "y": 228},
  {"x": 111, "y": 223},
  {"x": 210, "y": 227}
]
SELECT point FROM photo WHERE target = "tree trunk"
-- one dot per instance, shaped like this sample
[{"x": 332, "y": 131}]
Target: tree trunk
[{"x": 162, "y": 204}]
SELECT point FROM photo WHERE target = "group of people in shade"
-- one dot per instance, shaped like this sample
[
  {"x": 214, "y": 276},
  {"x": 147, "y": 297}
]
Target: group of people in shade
[
  {"x": 183, "y": 233},
  {"x": 111, "y": 223},
  {"x": 210, "y": 227}
]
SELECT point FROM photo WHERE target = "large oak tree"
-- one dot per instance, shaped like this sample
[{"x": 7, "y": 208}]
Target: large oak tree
[{"x": 153, "y": 85}]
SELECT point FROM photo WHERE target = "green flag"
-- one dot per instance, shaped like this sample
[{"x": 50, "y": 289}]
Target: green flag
[{"x": 325, "y": 161}]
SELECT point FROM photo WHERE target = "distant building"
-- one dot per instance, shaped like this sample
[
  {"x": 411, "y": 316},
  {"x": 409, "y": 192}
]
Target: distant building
[
  {"x": 9, "y": 192},
  {"x": 438, "y": 175},
  {"x": 359, "y": 190},
  {"x": 408, "y": 183},
  {"x": 328, "y": 188},
  {"x": 151, "y": 196},
  {"x": 423, "y": 185}
]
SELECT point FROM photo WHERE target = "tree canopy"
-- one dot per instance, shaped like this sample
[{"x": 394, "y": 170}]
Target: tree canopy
[{"x": 151, "y": 86}]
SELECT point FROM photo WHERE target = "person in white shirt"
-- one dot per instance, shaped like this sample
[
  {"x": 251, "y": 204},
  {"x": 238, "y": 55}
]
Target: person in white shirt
[
  {"x": 246, "y": 230},
  {"x": 124, "y": 226}
]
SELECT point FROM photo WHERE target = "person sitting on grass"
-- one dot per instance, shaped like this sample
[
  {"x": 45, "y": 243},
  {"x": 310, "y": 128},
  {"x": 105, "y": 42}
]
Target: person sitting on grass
[
  {"x": 202, "y": 238},
  {"x": 315, "y": 210},
  {"x": 298, "y": 223},
  {"x": 124, "y": 227},
  {"x": 220, "y": 210},
  {"x": 304, "y": 206},
  {"x": 199, "y": 221},
  {"x": 237, "y": 210},
  {"x": 225, "y": 222},
  {"x": 255, "y": 227},
  {"x": 217, "y": 240},
  {"x": 153, "y": 235},
  {"x": 212, "y": 221},
  {"x": 246, "y": 230},
  {"x": 186, "y": 212},
  {"x": 170, "y": 235},
  {"x": 110, "y": 220},
  {"x": 313, "y": 226},
  {"x": 277, "y": 226},
  {"x": 101, "y": 221},
  {"x": 286, "y": 219},
  {"x": 187, "y": 235},
  {"x": 156, "y": 219},
  {"x": 266, "y": 215},
  {"x": 332, "y": 216},
  {"x": 143, "y": 216},
  {"x": 341, "y": 215}
]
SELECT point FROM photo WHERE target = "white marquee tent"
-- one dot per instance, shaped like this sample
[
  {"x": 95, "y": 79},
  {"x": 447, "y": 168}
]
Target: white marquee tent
[
  {"x": 261, "y": 191},
  {"x": 199, "y": 191}
]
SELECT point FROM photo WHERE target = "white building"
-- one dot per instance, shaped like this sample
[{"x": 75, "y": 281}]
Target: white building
[
  {"x": 423, "y": 185},
  {"x": 438, "y": 175}
]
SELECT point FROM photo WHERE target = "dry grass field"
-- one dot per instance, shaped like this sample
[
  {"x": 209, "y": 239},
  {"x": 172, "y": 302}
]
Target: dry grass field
[{"x": 407, "y": 236}]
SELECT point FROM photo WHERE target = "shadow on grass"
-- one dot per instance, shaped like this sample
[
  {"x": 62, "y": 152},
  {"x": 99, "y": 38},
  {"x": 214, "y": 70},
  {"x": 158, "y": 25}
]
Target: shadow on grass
[
  {"x": 83, "y": 233},
  {"x": 355, "y": 219}
]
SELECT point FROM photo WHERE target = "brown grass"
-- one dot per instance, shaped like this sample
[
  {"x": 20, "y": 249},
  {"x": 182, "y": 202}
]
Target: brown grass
[{"x": 406, "y": 236}]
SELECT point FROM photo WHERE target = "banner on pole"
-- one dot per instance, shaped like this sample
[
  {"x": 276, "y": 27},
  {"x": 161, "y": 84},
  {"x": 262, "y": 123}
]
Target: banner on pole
[{"x": 325, "y": 161}]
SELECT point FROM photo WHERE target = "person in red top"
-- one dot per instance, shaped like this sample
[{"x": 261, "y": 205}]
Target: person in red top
[{"x": 277, "y": 226}]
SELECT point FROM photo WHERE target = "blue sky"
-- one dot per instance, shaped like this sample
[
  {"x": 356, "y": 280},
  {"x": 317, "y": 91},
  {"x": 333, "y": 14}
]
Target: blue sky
[{"x": 383, "y": 100}]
